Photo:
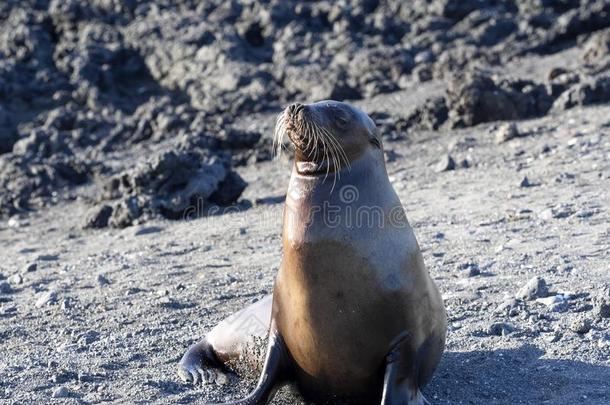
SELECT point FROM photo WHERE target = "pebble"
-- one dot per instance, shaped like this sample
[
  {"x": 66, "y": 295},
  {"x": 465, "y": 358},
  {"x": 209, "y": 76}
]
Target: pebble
[
  {"x": 601, "y": 302},
  {"x": 88, "y": 337},
  {"x": 61, "y": 392},
  {"x": 45, "y": 298},
  {"x": 30, "y": 268},
  {"x": 509, "y": 307},
  {"x": 147, "y": 230},
  {"x": 525, "y": 182},
  {"x": 553, "y": 337},
  {"x": 101, "y": 280},
  {"x": 556, "y": 303},
  {"x": 550, "y": 301},
  {"x": 465, "y": 164},
  {"x": 66, "y": 304},
  {"x": 500, "y": 329},
  {"x": 470, "y": 269},
  {"x": 16, "y": 279},
  {"x": 5, "y": 287},
  {"x": 446, "y": 163},
  {"x": 535, "y": 288},
  {"x": 5, "y": 310},
  {"x": 558, "y": 212},
  {"x": 221, "y": 379},
  {"x": 602, "y": 310},
  {"x": 581, "y": 326},
  {"x": 506, "y": 132},
  {"x": 48, "y": 258},
  {"x": 13, "y": 222}
]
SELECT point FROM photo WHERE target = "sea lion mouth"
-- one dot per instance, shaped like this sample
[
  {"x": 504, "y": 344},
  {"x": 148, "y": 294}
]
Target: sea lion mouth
[{"x": 317, "y": 150}]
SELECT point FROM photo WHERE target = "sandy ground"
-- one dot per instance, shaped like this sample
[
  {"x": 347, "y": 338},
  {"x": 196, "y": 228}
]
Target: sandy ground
[{"x": 107, "y": 314}]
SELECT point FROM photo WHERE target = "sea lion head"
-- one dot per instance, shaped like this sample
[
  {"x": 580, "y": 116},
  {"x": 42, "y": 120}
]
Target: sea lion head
[{"x": 327, "y": 136}]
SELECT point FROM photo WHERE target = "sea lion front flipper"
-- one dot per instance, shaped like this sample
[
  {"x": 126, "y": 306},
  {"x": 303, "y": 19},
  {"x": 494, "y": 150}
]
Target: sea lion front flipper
[
  {"x": 273, "y": 371},
  {"x": 226, "y": 341},
  {"x": 198, "y": 362},
  {"x": 400, "y": 381}
]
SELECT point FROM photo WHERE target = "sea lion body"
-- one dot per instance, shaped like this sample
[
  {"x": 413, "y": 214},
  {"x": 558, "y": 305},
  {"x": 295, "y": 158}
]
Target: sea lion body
[
  {"x": 355, "y": 315},
  {"x": 350, "y": 284}
]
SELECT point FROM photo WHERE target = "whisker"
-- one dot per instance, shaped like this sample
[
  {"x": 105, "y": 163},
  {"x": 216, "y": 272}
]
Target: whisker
[{"x": 278, "y": 135}]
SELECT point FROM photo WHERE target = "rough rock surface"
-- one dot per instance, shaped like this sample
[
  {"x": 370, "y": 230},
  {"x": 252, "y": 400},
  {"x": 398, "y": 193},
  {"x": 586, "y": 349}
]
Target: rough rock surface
[{"x": 82, "y": 83}]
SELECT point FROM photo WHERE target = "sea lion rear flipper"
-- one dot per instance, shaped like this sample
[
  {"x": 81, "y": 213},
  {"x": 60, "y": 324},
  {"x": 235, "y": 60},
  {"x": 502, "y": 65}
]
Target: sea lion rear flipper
[
  {"x": 400, "y": 380},
  {"x": 272, "y": 374}
]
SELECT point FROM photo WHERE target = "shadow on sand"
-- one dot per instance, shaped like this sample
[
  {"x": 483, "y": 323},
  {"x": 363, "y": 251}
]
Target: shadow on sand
[{"x": 517, "y": 376}]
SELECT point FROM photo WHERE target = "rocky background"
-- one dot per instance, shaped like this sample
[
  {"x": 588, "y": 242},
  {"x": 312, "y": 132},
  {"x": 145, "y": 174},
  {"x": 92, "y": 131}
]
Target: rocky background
[{"x": 136, "y": 116}]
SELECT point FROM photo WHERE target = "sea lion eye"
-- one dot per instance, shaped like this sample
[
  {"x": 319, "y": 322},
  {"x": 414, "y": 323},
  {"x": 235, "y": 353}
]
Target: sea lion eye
[
  {"x": 341, "y": 121},
  {"x": 376, "y": 142}
]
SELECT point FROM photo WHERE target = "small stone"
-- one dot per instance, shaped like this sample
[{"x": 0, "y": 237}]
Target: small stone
[
  {"x": 16, "y": 279},
  {"x": 391, "y": 156},
  {"x": 98, "y": 217},
  {"x": 221, "y": 379},
  {"x": 500, "y": 329},
  {"x": 525, "y": 182},
  {"x": 465, "y": 164},
  {"x": 5, "y": 287},
  {"x": 88, "y": 337},
  {"x": 10, "y": 309},
  {"x": 45, "y": 298},
  {"x": 147, "y": 230},
  {"x": 509, "y": 307},
  {"x": 581, "y": 326},
  {"x": 470, "y": 269},
  {"x": 61, "y": 392},
  {"x": 552, "y": 301},
  {"x": 556, "y": 72},
  {"x": 601, "y": 303},
  {"x": 101, "y": 280},
  {"x": 506, "y": 132},
  {"x": 553, "y": 337},
  {"x": 30, "y": 268},
  {"x": 535, "y": 288},
  {"x": 602, "y": 310},
  {"x": 562, "y": 211},
  {"x": 585, "y": 213},
  {"x": 555, "y": 303},
  {"x": 48, "y": 258},
  {"x": 14, "y": 222},
  {"x": 66, "y": 304},
  {"x": 446, "y": 163}
]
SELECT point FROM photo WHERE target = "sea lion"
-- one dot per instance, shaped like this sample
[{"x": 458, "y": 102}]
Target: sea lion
[{"x": 354, "y": 315}]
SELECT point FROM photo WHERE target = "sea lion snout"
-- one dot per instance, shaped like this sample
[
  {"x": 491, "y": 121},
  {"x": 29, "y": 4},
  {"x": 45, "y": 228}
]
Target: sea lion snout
[
  {"x": 296, "y": 127},
  {"x": 295, "y": 108}
]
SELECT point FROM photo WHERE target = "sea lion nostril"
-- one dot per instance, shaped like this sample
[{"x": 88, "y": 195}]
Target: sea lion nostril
[{"x": 294, "y": 109}]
